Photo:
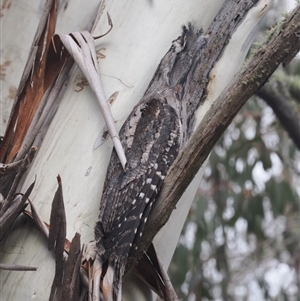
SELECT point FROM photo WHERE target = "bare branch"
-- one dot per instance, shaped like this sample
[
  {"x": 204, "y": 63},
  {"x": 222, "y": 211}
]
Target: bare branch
[{"x": 284, "y": 112}]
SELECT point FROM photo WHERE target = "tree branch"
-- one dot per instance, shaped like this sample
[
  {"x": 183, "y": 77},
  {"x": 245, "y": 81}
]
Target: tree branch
[
  {"x": 256, "y": 72},
  {"x": 284, "y": 112}
]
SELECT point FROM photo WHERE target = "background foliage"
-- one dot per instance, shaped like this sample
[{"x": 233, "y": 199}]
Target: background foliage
[{"x": 241, "y": 240}]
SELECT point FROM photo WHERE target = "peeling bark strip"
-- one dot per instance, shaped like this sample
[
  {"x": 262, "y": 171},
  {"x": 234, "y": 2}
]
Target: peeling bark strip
[
  {"x": 65, "y": 284},
  {"x": 81, "y": 47},
  {"x": 38, "y": 75},
  {"x": 14, "y": 204},
  {"x": 181, "y": 80},
  {"x": 57, "y": 235},
  {"x": 36, "y": 100},
  {"x": 256, "y": 72},
  {"x": 71, "y": 286}
]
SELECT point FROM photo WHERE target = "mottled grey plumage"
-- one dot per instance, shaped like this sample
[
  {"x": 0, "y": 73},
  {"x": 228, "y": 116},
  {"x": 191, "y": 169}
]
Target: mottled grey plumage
[
  {"x": 151, "y": 136},
  {"x": 151, "y": 141}
]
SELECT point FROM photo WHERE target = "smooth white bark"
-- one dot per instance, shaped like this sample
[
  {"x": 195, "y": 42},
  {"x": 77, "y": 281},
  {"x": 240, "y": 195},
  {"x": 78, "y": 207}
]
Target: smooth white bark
[{"x": 142, "y": 34}]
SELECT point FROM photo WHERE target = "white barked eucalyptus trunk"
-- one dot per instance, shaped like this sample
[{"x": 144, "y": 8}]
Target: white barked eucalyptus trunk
[{"x": 128, "y": 57}]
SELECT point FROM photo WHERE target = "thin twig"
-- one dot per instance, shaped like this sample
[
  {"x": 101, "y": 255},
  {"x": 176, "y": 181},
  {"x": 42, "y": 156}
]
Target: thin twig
[
  {"x": 110, "y": 23},
  {"x": 16, "y": 267},
  {"x": 284, "y": 112}
]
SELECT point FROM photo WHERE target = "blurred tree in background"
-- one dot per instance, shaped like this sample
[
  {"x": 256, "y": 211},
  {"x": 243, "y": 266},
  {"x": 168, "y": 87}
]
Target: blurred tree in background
[{"x": 241, "y": 240}]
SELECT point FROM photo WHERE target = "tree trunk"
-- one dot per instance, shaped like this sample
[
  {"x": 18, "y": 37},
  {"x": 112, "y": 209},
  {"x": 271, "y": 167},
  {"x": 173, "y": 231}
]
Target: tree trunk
[{"x": 128, "y": 56}]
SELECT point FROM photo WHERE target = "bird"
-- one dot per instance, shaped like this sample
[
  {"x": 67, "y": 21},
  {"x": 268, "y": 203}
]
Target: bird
[{"x": 152, "y": 137}]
